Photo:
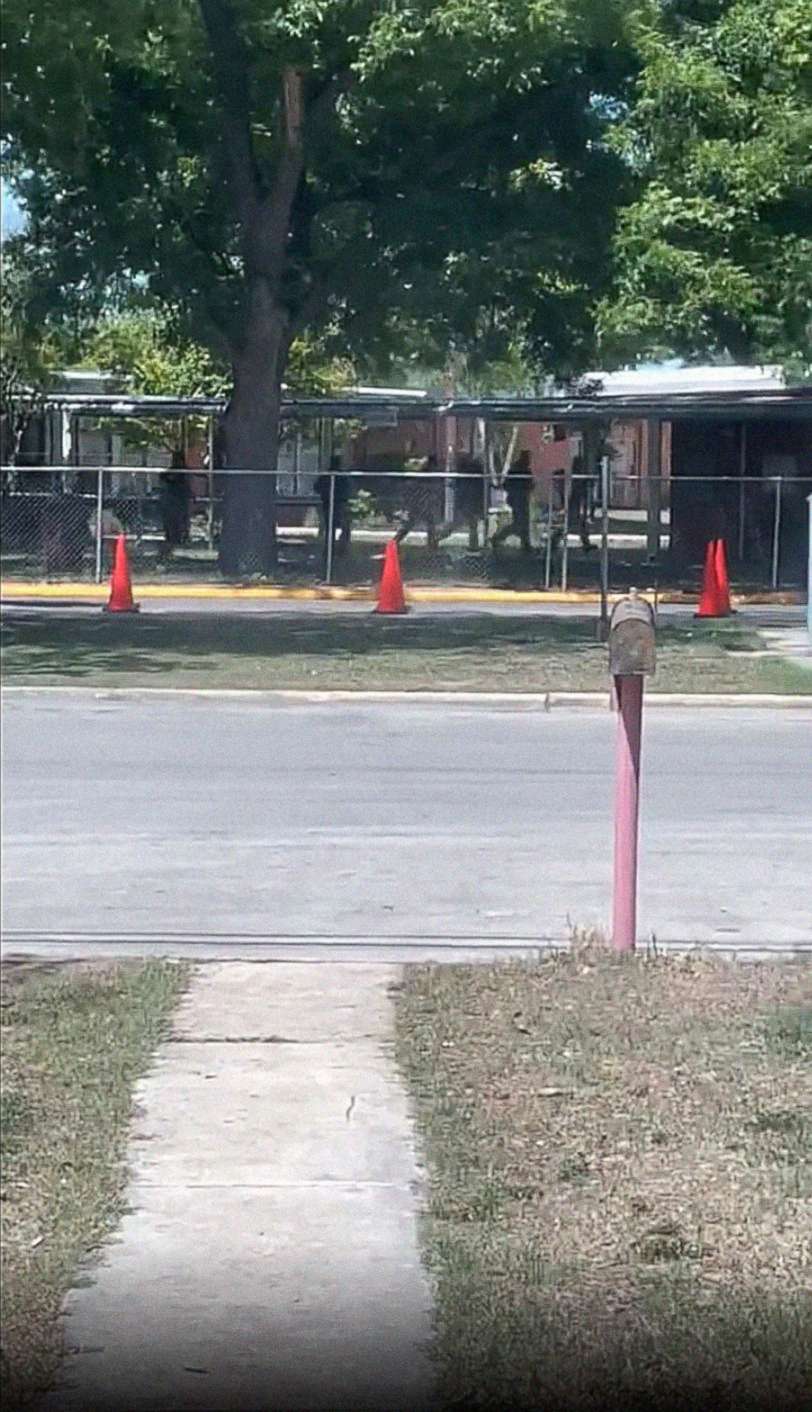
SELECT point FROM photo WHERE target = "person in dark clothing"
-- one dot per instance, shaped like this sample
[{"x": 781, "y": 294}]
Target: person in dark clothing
[
  {"x": 580, "y": 489},
  {"x": 471, "y": 495},
  {"x": 519, "y": 485},
  {"x": 342, "y": 514},
  {"x": 174, "y": 505},
  {"x": 424, "y": 494}
]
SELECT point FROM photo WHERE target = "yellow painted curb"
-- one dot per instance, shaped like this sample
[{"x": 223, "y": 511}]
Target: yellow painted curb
[
  {"x": 98, "y": 592},
  {"x": 499, "y": 595}
]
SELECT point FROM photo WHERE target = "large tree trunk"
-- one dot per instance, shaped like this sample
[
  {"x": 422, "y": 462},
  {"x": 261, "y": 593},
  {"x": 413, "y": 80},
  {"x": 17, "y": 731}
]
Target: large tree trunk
[
  {"x": 260, "y": 348},
  {"x": 251, "y": 441}
]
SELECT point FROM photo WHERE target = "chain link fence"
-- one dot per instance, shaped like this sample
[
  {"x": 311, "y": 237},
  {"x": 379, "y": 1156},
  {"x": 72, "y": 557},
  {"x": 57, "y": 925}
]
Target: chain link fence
[{"x": 465, "y": 528}]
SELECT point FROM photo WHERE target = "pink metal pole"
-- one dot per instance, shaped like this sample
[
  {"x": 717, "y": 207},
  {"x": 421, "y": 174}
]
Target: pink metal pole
[{"x": 627, "y": 800}]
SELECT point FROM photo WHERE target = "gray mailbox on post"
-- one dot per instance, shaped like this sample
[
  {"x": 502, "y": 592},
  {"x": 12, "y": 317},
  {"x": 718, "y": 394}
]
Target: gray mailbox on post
[{"x": 632, "y": 649}]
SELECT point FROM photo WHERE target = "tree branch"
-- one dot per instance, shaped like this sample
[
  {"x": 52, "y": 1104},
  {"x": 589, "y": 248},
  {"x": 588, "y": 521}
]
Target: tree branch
[
  {"x": 230, "y": 65},
  {"x": 266, "y": 217},
  {"x": 277, "y": 207},
  {"x": 313, "y": 301},
  {"x": 323, "y": 284},
  {"x": 329, "y": 90}
]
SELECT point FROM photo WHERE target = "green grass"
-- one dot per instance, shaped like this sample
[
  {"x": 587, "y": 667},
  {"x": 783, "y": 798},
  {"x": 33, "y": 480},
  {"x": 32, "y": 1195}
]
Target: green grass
[
  {"x": 74, "y": 1043},
  {"x": 618, "y": 1208},
  {"x": 303, "y": 651}
]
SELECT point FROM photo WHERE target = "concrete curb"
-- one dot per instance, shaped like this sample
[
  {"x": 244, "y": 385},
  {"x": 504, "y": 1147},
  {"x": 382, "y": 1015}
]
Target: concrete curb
[
  {"x": 50, "y": 592},
  {"x": 239, "y": 949},
  {"x": 508, "y": 701}
]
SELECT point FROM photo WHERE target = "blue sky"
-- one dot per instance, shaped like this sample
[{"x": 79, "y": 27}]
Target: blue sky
[{"x": 11, "y": 217}]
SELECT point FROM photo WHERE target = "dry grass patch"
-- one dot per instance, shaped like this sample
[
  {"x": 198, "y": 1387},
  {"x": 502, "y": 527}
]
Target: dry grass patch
[
  {"x": 301, "y": 651},
  {"x": 619, "y": 1180},
  {"x": 75, "y": 1039}
]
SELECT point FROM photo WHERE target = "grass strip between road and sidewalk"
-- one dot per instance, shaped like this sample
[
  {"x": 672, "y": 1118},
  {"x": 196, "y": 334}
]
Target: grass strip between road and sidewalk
[
  {"x": 307, "y": 651},
  {"x": 618, "y": 1206},
  {"x": 75, "y": 1040}
]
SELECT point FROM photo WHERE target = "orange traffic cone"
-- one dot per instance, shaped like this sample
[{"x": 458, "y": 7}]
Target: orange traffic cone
[
  {"x": 710, "y": 602},
  {"x": 722, "y": 579},
  {"x": 390, "y": 591},
  {"x": 121, "y": 592}
]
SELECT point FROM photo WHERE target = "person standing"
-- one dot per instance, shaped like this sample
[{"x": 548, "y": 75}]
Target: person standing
[
  {"x": 580, "y": 486},
  {"x": 342, "y": 515},
  {"x": 518, "y": 485},
  {"x": 174, "y": 505},
  {"x": 424, "y": 494}
]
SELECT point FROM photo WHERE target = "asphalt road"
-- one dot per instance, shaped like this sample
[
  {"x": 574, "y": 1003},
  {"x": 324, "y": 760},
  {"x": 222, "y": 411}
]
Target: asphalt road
[{"x": 151, "y": 821}]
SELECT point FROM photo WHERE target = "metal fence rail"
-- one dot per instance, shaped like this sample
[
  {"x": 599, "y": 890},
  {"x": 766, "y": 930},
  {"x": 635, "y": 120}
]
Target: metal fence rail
[{"x": 460, "y": 526}]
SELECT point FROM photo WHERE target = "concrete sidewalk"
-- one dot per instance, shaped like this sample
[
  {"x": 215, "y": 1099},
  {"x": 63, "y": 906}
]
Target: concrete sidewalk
[
  {"x": 270, "y": 1258},
  {"x": 793, "y": 643}
]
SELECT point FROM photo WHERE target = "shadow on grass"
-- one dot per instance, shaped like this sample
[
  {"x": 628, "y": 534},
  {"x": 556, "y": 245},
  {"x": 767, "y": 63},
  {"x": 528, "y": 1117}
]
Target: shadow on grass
[
  {"x": 83, "y": 645},
  {"x": 86, "y": 643}
]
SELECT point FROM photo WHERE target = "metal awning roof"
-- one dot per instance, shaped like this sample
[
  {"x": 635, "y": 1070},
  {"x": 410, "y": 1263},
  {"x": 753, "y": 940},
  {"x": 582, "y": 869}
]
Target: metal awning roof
[
  {"x": 720, "y": 405},
  {"x": 88, "y": 404},
  {"x": 121, "y": 405},
  {"x": 739, "y": 405}
]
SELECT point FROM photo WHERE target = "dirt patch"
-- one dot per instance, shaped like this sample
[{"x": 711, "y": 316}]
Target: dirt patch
[
  {"x": 18, "y": 971},
  {"x": 619, "y": 1206}
]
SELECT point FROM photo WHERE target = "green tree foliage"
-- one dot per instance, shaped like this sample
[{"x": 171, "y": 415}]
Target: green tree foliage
[
  {"x": 153, "y": 358},
  {"x": 274, "y": 168},
  {"x": 715, "y": 254},
  {"x": 29, "y": 355},
  {"x": 141, "y": 347},
  {"x": 314, "y": 371}
]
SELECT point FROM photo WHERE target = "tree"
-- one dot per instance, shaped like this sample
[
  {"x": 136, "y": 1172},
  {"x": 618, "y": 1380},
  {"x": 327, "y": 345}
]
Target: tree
[
  {"x": 279, "y": 167},
  {"x": 28, "y": 358},
  {"x": 154, "y": 359},
  {"x": 715, "y": 254}
]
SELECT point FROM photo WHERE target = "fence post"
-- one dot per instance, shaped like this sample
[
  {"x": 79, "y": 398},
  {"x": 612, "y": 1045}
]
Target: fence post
[
  {"x": 565, "y": 547},
  {"x": 210, "y": 512},
  {"x": 486, "y": 483},
  {"x": 809, "y": 573},
  {"x": 654, "y": 483},
  {"x": 450, "y": 463},
  {"x": 777, "y": 531},
  {"x": 742, "y": 485},
  {"x": 548, "y": 557},
  {"x": 99, "y": 509},
  {"x": 297, "y": 459},
  {"x": 331, "y": 517},
  {"x": 604, "y": 618}
]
